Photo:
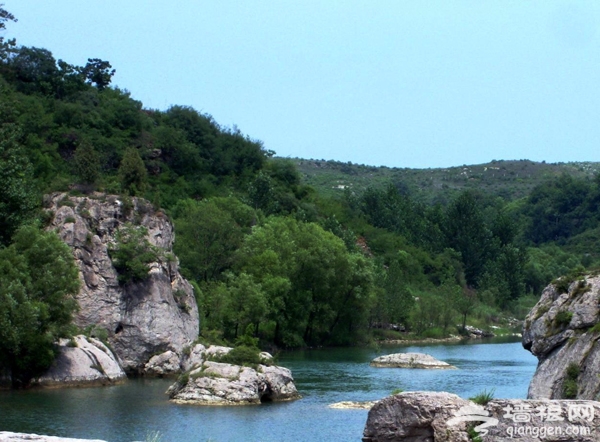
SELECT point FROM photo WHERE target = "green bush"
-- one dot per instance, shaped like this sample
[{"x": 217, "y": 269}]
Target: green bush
[
  {"x": 242, "y": 355},
  {"x": 132, "y": 253},
  {"x": 563, "y": 318},
  {"x": 570, "y": 385}
]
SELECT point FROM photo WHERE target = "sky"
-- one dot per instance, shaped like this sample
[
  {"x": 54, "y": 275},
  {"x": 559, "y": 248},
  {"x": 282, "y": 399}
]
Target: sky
[{"x": 419, "y": 84}]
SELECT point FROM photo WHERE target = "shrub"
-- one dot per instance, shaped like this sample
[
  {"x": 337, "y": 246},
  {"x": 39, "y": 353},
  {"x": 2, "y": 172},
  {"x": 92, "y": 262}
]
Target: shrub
[
  {"x": 563, "y": 318},
  {"x": 570, "y": 386},
  {"x": 132, "y": 253},
  {"x": 242, "y": 355},
  {"x": 397, "y": 391}
]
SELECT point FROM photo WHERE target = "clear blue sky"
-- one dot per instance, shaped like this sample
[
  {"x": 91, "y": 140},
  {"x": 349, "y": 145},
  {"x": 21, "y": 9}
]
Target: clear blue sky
[{"x": 384, "y": 82}]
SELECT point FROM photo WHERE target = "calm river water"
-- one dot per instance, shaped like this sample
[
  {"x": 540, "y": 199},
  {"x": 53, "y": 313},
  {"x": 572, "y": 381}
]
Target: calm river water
[{"x": 132, "y": 411}]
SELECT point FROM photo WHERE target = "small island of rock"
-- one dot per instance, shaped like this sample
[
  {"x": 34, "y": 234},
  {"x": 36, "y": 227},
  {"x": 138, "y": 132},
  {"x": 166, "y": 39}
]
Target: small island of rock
[
  {"x": 210, "y": 382},
  {"x": 410, "y": 360}
]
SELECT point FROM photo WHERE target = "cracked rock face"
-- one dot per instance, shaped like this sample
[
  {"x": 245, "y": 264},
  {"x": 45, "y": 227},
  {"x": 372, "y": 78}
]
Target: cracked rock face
[
  {"x": 141, "y": 319},
  {"x": 560, "y": 332}
]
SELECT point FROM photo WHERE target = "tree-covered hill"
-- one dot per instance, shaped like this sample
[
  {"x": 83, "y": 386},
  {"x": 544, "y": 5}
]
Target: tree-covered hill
[
  {"x": 292, "y": 252},
  {"x": 507, "y": 179}
]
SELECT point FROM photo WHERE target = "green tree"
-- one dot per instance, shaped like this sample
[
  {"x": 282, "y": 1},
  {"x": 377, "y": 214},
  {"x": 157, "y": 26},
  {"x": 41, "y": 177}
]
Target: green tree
[
  {"x": 98, "y": 72},
  {"x": 18, "y": 199},
  {"x": 208, "y": 233},
  {"x": 466, "y": 232},
  {"x": 38, "y": 282},
  {"x": 132, "y": 172},
  {"x": 87, "y": 163},
  {"x": 317, "y": 291}
]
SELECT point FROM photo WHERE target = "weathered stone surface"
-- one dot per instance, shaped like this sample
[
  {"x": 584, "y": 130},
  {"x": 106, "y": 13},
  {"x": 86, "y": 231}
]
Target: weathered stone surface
[
  {"x": 6, "y": 436},
  {"x": 164, "y": 364},
  {"x": 82, "y": 361},
  {"x": 410, "y": 360},
  {"x": 415, "y": 417},
  {"x": 437, "y": 417},
  {"x": 194, "y": 357},
  {"x": 142, "y": 319},
  {"x": 559, "y": 331},
  {"x": 216, "y": 383}
]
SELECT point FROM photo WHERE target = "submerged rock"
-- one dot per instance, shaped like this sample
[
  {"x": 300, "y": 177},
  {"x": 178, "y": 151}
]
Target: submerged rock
[
  {"x": 353, "y": 405},
  {"x": 82, "y": 361},
  {"x": 141, "y": 319},
  {"x": 561, "y": 331},
  {"x": 436, "y": 417},
  {"x": 410, "y": 360}
]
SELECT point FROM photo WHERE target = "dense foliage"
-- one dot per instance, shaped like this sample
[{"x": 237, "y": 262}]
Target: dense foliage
[{"x": 38, "y": 281}]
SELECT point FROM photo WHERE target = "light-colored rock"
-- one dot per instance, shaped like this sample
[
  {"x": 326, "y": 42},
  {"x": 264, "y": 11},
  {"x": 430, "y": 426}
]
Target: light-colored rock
[
  {"x": 82, "y": 361},
  {"x": 410, "y": 360},
  {"x": 164, "y": 364},
  {"x": 141, "y": 319},
  {"x": 353, "y": 405},
  {"x": 216, "y": 383},
  {"x": 216, "y": 351},
  {"x": 444, "y": 417},
  {"x": 559, "y": 331},
  {"x": 6, "y": 436},
  {"x": 193, "y": 358},
  {"x": 415, "y": 417}
]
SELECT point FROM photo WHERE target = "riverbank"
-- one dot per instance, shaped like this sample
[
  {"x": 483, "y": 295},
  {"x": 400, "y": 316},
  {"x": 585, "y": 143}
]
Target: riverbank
[{"x": 450, "y": 339}]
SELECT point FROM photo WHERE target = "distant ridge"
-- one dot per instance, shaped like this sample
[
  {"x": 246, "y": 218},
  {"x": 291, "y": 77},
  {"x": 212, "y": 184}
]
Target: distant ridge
[{"x": 509, "y": 179}]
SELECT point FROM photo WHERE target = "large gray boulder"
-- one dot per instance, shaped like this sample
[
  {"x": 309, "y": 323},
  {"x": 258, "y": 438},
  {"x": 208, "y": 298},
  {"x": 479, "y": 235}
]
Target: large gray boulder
[
  {"x": 415, "y": 417},
  {"x": 410, "y": 360},
  {"x": 444, "y": 417},
  {"x": 560, "y": 330},
  {"x": 82, "y": 361},
  {"x": 141, "y": 319}
]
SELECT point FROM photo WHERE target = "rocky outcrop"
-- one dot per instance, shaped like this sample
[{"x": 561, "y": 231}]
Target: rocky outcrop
[
  {"x": 6, "y": 436},
  {"x": 207, "y": 382},
  {"x": 437, "y": 417},
  {"x": 562, "y": 332},
  {"x": 410, "y": 360},
  {"x": 82, "y": 361},
  {"x": 141, "y": 319}
]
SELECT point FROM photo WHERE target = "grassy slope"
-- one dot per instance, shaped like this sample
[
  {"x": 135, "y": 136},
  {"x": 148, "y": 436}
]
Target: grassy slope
[{"x": 508, "y": 179}]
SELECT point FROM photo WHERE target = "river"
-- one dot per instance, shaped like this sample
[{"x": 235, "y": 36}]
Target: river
[{"x": 138, "y": 408}]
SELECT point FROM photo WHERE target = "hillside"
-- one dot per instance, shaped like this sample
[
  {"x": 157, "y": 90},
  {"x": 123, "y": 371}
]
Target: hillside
[{"x": 508, "y": 179}]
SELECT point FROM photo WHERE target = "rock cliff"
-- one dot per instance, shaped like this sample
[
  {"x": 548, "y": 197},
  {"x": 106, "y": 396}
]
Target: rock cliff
[
  {"x": 141, "y": 319},
  {"x": 443, "y": 417},
  {"x": 562, "y": 331}
]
